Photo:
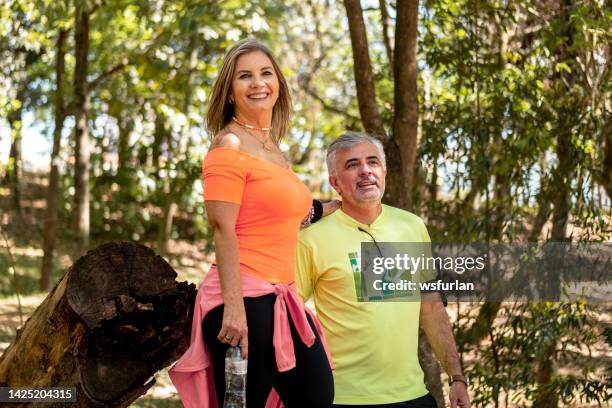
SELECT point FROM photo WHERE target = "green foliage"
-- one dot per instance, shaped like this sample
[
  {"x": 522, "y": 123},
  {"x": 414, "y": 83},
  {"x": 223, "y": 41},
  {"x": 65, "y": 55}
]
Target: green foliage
[
  {"x": 505, "y": 369},
  {"x": 497, "y": 94},
  {"x": 499, "y": 83}
]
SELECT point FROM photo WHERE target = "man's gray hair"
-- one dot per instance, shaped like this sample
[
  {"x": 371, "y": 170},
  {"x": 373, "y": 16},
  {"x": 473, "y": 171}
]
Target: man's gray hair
[{"x": 346, "y": 141}]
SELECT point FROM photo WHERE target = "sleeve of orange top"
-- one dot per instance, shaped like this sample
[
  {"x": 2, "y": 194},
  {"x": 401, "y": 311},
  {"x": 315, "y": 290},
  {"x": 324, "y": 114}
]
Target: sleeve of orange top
[{"x": 224, "y": 176}]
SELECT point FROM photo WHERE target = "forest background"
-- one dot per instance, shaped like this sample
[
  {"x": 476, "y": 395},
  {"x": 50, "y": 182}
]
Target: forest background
[{"x": 495, "y": 117}]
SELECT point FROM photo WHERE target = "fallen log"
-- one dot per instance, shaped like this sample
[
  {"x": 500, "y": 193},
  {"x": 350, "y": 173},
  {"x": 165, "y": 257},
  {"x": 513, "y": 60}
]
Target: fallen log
[{"x": 114, "y": 319}]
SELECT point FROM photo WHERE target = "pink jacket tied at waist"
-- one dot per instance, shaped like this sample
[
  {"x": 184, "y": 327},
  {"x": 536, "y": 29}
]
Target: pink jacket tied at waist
[{"x": 192, "y": 374}]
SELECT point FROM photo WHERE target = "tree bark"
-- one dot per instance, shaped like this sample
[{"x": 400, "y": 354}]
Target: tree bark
[
  {"x": 539, "y": 221},
  {"x": 81, "y": 98},
  {"x": 364, "y": 79},
  {"x": 384, "y": 20},
  {"x": 115, "y": 318},
  {"x": 562, "y": 188},
  {"x": 433, "y": 186},
  {"x": 405, "y": 118},
  {"x": 170, "y": 208},
  {"x": 14, "y": 173},
  {"x": 50, "y": 230}
]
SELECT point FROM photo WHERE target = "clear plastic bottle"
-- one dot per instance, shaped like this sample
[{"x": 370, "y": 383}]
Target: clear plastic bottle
[{"x": 235, "y": 379}]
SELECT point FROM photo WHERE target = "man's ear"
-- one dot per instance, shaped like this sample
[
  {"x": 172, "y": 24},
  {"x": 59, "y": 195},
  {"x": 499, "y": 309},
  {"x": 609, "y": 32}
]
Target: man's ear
[{"x": 333, "y": 181}]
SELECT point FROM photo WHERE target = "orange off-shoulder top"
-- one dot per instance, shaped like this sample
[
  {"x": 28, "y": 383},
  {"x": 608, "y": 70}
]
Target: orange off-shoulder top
[{"x": 273, "y": 201}]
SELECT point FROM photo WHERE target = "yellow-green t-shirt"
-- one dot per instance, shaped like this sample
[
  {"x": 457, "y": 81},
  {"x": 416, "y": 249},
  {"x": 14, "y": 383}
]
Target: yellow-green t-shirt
[{"x": 374, "y": 345}]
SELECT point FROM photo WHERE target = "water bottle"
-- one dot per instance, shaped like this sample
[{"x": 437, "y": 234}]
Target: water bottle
[{"x": 235, "y": 379}]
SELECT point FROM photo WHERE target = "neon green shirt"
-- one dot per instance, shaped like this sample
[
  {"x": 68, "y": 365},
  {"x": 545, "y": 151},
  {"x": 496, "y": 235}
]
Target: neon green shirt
[{"x": 374, "y": 345}]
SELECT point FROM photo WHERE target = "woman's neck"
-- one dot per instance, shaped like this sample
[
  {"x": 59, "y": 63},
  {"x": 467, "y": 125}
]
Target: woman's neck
[{"x": 260, "y": 120}]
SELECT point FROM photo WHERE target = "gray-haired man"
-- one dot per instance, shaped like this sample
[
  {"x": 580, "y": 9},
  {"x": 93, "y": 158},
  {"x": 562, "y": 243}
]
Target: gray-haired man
[{"x": 373, "y": 344}]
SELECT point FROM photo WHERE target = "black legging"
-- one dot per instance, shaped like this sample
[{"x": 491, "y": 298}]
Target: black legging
[{"x": 310, "y": 384}]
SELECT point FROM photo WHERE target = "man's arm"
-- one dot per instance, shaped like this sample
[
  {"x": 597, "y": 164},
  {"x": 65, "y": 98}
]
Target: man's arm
[{"x": 437, "y": 327}]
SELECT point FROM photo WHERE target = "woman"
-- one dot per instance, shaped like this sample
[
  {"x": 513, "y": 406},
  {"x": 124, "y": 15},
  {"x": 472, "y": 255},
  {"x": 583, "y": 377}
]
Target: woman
[{"x": 255, "y": 204}]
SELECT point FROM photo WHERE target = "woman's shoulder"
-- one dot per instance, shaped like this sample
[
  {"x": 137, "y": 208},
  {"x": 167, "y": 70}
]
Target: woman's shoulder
[
  {"x": 226, "y": 139},
  {"x": 226, "y": 149},
  {"x": 231, "y": 140}
]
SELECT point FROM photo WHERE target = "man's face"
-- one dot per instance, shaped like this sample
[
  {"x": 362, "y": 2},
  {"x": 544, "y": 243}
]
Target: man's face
[{"x": 360, "y": 174}]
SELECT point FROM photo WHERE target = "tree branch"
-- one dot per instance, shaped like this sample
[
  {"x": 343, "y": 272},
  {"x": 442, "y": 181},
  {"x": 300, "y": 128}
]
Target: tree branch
[
  {"x": 94, "y": 84},
  {"x": 384, "y": 19},
  {"x": 116, "y": 68},
  {"x": 327, "y": 105}
]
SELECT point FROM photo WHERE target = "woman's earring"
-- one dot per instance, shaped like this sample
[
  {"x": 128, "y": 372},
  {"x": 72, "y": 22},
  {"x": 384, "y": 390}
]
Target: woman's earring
[{"x": 231, "y": 100}]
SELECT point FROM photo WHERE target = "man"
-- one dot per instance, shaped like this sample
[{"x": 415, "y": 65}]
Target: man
[{"x": 373, "y": 344}]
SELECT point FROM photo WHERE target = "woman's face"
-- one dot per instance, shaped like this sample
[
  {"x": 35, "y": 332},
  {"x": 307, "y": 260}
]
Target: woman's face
[{"x": 255, "y": 84}]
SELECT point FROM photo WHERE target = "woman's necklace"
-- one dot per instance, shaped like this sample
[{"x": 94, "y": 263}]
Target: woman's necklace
[
  {"x": 248, "y": 128},
  {"x": 246, "y": 125}
]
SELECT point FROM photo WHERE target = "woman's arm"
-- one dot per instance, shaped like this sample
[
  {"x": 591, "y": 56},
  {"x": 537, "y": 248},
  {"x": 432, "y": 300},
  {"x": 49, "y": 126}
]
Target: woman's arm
[
  {"x": 331, "y": 206},
  {"x": 222, "y": 217},
  {"x": 323, "y": 210}
]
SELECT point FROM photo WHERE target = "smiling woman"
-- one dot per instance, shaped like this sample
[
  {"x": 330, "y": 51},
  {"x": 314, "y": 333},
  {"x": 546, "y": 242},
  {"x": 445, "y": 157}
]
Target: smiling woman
[
  {"x": 250, "y": 67},
  {"x": 255, "y": 204}
]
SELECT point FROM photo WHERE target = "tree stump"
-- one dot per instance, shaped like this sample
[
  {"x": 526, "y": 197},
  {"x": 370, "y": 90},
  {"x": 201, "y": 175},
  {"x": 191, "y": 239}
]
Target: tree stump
[{"x": 114, "y": 319}]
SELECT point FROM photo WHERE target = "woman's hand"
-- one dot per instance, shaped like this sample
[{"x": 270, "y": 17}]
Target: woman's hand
[
  {"x": 331, "y": 206},
  {"x": 234, "y": 329}
]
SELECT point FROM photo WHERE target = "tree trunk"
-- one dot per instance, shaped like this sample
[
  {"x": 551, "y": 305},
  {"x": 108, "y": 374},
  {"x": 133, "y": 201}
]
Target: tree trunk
[
  {"x": 503, "y": 203},
  {"x": 50, "y": 230},
  {"x": 81, "y": 98},
  {"x": 543, "y": 202},
  {"x": 562, "y": 188},
  {"x": 547, "y": 397},
  {"x": 539, "y": 220},
  {"x": 405, "y": 118},
  {"x": 562, "y": 177},
  {"x": 362, "y": 67},
  {"x": 165, "y": 231},
  {"x": 384, "y": 21},
  {"x": 405, "y": 135},
  {"x": 401, "y": 148},
  {"x": 482, "y": 324},
  {"x": 605, "y": 176},
  {"x": 14, "y": 174},
  {"x": 433, "y": 186},
  {"x": 159, "y": 135},
  {"x": 115, "y": 318},
  {"x": 123, "y": 146}
]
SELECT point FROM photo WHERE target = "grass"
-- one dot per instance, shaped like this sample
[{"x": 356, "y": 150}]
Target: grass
[{"x": 26, "y": 280}]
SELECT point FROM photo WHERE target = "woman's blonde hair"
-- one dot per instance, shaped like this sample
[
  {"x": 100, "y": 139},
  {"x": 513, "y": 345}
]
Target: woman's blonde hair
[{"x": 221, "y": 111}]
